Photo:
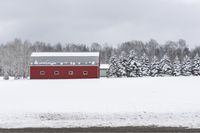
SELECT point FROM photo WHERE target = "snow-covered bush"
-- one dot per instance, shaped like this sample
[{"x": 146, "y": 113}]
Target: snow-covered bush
[
  {"x": 6, "y": 76},
  {"x": 17, "y": 76}
]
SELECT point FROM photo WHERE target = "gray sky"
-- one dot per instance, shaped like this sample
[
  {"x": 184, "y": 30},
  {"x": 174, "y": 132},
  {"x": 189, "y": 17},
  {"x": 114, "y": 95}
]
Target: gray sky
[{"x": 103, "y": 21}]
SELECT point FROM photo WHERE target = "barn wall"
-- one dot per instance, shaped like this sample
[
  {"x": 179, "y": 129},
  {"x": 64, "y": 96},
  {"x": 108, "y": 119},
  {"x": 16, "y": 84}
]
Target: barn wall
[{"x": 93, "y": 72}]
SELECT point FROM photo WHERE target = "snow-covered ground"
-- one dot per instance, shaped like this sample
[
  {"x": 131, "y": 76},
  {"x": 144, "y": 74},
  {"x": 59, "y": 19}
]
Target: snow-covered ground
[{"x": 168, "y": 101}]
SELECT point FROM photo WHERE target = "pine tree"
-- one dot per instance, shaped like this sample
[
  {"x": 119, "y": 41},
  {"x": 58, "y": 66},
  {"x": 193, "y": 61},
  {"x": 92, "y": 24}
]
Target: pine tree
[
  {"x": 112, "y": 71},
  {"x": 123, "y": 66},
  {"x": 165, "y": 66},
  {"x": 117, "y": 68},
  {"x": 145, "y": 65},
  {"x": 186, "y": 68},
  {"x": 196, "y": 65},
  {"x": 176, "y": 67},
  {"x": 155, "y": 67},
  {"x": 133, "y": 66}
]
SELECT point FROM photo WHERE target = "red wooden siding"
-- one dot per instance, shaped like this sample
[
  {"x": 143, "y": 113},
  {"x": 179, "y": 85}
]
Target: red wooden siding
[{"x": 35, "y": 72}]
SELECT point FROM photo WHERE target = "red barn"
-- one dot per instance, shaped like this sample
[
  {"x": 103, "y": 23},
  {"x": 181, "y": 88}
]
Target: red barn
[{"x": 73, "y": 65}]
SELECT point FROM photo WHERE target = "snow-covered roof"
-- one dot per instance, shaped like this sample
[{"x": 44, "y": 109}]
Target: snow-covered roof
[
  {"x": 56, "y": 54},
  {"x": 104, "y": 66},
  {"x": 66, "y": 59}
]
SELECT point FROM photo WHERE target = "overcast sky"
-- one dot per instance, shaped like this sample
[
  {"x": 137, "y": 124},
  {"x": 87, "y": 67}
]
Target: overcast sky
[{"x": 103, "y": 21}]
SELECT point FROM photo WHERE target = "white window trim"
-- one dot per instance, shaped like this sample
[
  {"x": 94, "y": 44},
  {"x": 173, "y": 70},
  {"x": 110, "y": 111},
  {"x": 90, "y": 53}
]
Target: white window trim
[
  {"x": 70, "y": 73},
  {"x": 85, "y": 73},
  {"x": 56, "y": 73},
  {"x": 42, "y": 73}
]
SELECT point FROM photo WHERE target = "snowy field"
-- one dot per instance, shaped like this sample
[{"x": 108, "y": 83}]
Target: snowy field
[{"x": 168, "y": 101}]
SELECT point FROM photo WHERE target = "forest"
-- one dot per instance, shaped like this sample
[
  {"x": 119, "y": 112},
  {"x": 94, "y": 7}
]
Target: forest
[{"x": 128, "y": 59}]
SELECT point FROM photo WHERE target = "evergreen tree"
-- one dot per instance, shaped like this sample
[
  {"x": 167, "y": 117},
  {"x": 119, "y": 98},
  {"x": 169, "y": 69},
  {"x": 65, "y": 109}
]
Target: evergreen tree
[
  {"x": 145, "y": 65},
  {"x": 176, "y": 67},
  {"x": 155, "y": 67},
  {"x": 116, "y": 69},
  {"x": 196, "y": 65},
  {"x": 123, "y": 66},
  {"x": 133, "y": 66},
  {"x": 112, "y": 71},
  {"x": 165, "y": 66},
  {"x": 186, "y": 68}
]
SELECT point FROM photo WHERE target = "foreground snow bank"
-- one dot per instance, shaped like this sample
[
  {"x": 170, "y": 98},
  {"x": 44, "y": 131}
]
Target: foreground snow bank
[
  {"x": 171, "y": 101},
  {"x": 71, "y": 120}
]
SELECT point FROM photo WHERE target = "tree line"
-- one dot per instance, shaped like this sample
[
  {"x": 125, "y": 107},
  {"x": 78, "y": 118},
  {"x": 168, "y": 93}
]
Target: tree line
[
  {"x": 15, "y": 55},
  {"x": 134, "y": 66}
]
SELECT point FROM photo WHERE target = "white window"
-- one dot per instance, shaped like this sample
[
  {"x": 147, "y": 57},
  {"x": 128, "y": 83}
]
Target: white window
[
  {"x": 56, "y": 72},
  {"x": 70, "y": 72},
  {"x": 42, "y": 72},
  {"x": 85, "y": 73}
]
